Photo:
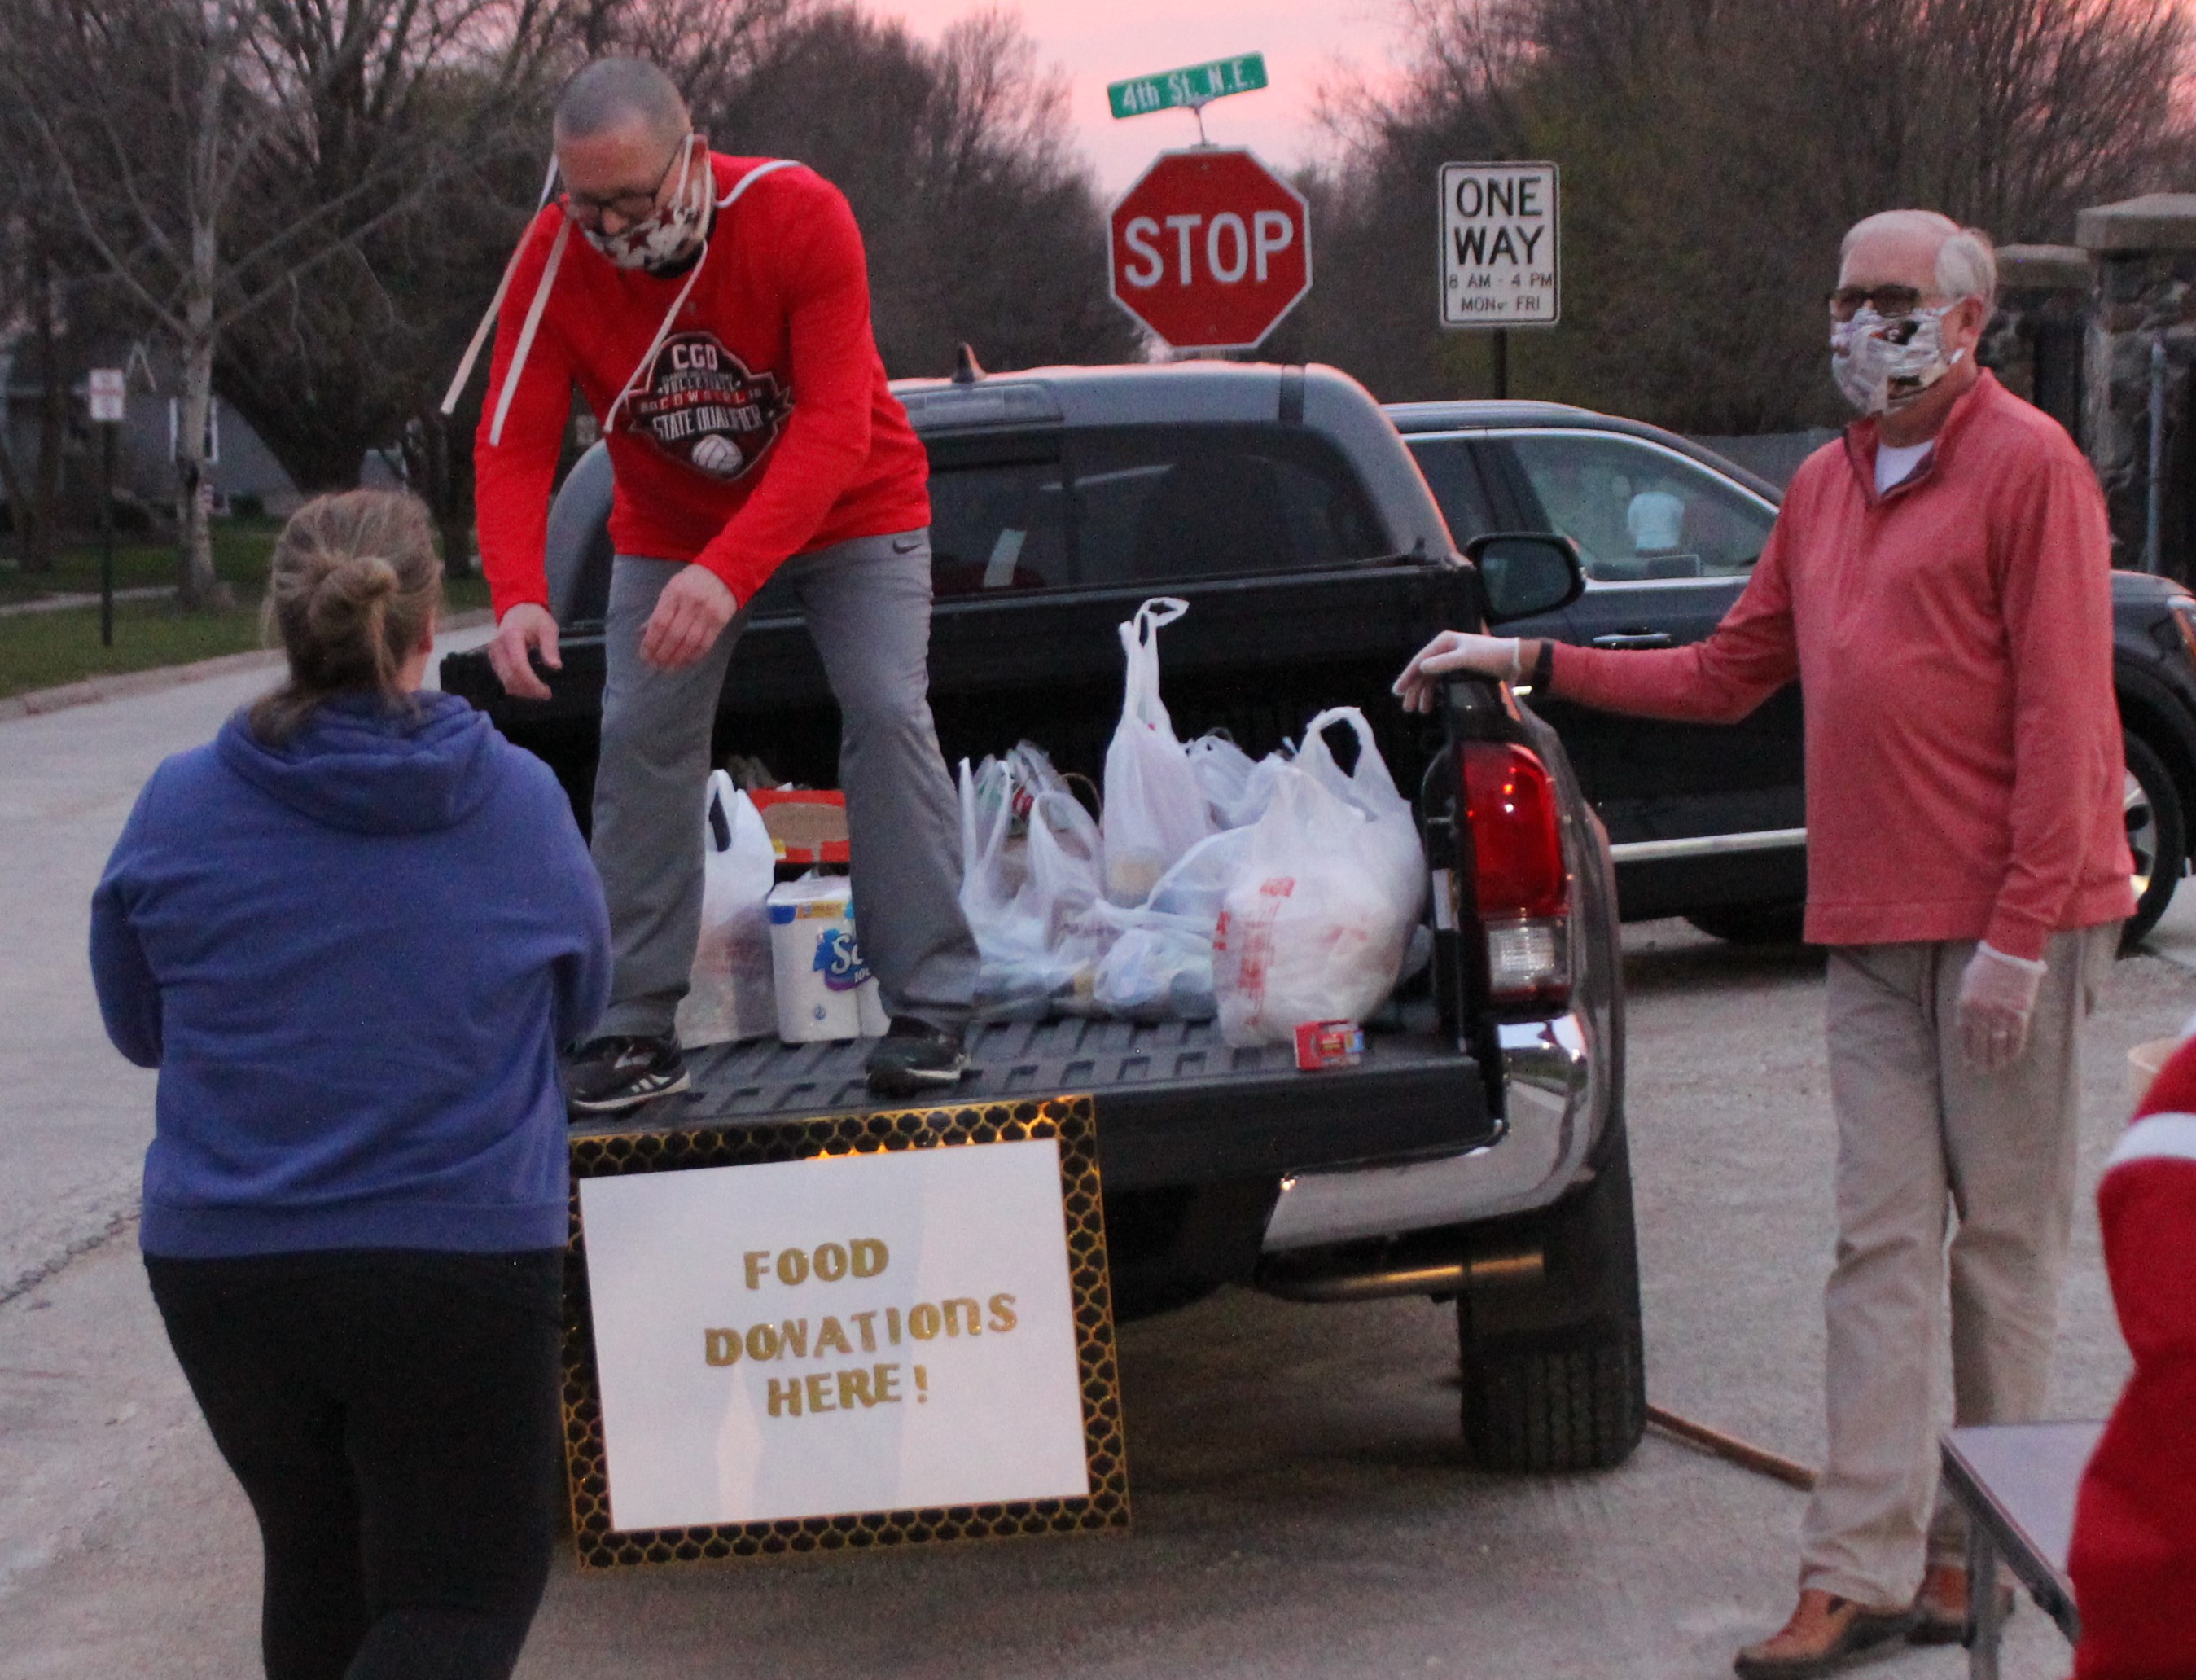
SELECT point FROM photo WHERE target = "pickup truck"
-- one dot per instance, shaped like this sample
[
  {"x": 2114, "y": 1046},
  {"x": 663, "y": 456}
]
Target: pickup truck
[{"x": 1478, "y": 1153}]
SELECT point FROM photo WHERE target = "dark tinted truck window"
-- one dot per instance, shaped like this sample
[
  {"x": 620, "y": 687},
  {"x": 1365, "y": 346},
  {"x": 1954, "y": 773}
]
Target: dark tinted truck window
[
  {"x": 1144, "y": 504},
  {"x": 1452, "y": 475},
  {"x": 997, "y": 524}
]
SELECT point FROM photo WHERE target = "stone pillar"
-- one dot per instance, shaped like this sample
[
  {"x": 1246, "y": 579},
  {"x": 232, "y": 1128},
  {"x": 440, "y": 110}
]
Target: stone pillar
[
  {"x": 2035, "y": 342},
  {"x": 2146, "y": 252}
]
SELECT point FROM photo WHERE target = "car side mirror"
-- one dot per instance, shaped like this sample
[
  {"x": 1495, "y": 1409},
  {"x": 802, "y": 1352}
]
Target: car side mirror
[{"x": 1521, "y": 573}]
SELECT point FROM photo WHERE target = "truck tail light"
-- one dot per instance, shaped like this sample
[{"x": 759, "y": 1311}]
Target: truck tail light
[{"x": 1523, "y": 885}]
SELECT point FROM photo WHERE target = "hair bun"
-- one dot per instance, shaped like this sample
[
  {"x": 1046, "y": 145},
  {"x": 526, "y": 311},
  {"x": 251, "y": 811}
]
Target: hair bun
[
  {"x": 363, "y": 578},
  {"x": 352, "y": 590}
]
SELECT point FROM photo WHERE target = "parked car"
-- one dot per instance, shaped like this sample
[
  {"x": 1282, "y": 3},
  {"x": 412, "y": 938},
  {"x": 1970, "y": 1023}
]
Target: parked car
[
  {"x": 1709, "y": 821},
  {"x": 1479, "y": 1152}
]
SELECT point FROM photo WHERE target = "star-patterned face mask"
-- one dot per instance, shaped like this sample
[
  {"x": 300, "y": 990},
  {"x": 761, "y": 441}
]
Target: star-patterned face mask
[{"x": 660, "y": 242}]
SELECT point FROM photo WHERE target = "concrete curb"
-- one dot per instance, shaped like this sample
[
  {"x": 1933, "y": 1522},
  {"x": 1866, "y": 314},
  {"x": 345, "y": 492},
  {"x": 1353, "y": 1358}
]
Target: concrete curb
[
  {"x": 72, "y": 602},
  {"x": 131, "y": 685}
]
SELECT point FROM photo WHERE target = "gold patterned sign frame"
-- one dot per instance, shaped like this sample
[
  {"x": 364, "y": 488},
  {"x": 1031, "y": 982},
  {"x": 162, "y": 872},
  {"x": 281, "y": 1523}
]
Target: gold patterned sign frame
[{"x": 1070, "y": 1120}]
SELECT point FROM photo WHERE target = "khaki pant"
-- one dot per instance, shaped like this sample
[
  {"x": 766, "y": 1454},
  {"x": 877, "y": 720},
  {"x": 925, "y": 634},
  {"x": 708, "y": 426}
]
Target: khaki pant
[{"x": 1921, "y": 1136}]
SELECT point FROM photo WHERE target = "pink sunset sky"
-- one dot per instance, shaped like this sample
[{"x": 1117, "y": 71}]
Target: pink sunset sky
[{"x": 1307, "y": 43}]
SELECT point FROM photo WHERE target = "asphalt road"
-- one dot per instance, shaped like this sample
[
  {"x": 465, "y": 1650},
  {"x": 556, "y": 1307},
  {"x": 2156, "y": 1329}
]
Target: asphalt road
[{"x": 1302, "y": 1505}]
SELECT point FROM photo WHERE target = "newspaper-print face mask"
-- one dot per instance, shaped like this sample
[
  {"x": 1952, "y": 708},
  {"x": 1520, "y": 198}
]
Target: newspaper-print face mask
[
  {"x": 662, "y": 242},
  {"x": 1881, "y": 363}
]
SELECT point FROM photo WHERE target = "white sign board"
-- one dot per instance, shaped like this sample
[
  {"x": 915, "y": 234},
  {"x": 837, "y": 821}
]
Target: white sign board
[
  {"x": 107, "y": 393},
  {"x": 847, "y": 1333},
  {"x": 1498, "y": 246}
]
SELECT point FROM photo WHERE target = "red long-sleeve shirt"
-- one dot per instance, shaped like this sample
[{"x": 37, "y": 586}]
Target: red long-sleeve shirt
[
  {"x": 1953, "y": 639},
  {"x": 763, "y": 428},
  {"x": 2134, "y": 1551}
]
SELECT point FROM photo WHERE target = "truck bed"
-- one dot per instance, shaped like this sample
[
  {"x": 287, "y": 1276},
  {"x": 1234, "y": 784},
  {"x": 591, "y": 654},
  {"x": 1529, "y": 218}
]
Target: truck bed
[{"x": 1174, "y": 1104}]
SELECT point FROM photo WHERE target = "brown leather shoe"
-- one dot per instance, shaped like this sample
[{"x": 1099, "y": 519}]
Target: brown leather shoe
[
  {"x": 1940, "y": 1607},
  {"x": 1826, "y": 1633}
]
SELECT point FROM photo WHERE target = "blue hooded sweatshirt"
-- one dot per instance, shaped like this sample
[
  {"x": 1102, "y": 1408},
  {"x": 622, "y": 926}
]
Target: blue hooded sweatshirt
[{"x": 352, "y": 958}]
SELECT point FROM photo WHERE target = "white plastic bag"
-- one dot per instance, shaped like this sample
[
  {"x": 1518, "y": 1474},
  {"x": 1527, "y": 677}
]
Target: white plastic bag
[
  {"x": 1154, "y": 809},
  {"x": 1372, "y": 790},
  {"x": 1224, "y": 772},
  {"x": 1316, "y": 923},
  {"x": 1160, "y": 969},
  {"x": 731, "y": 994},
  {"x": 1030, "y": 879}
]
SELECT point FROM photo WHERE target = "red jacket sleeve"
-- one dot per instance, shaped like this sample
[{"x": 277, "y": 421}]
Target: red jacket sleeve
[
  {"x": 833, "y": 370},
  {"x": 2055, "y": 585},
  {"x": 513, "y": 478},
  {"x": 2134, "y": 1548},
  {"x": 1750, "y": 656}
]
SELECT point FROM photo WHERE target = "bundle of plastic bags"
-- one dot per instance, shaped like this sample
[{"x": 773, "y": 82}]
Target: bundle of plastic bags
[
  {"x": 1268, "y": 892},
  {"x": 1030, "y": 881}
]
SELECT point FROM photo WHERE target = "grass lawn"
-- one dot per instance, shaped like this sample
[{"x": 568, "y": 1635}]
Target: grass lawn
[{"x": 43, "y": 650}]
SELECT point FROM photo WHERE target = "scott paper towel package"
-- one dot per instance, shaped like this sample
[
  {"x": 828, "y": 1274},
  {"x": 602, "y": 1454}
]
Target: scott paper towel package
[{"x": 824, "y": 989}]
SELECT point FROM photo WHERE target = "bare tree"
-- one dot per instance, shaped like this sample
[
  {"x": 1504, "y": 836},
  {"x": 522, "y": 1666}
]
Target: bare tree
[
  {"x": 33, "y": 327},
  {"x": 1712, "y": 152},
  {"x": 165, "y": 125}
]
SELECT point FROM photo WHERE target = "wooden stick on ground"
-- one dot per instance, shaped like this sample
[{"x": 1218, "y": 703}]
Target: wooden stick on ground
[{"x": 1745, "y": 1454}]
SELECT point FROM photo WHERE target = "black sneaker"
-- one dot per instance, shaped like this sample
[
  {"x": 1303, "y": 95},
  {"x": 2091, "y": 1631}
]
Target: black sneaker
[
  {"x": 914, "y": 1056},
  {"x": 619, "y": 1072}
]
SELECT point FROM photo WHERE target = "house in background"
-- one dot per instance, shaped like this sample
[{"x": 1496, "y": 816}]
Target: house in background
[{"x": 239, "y": 465}]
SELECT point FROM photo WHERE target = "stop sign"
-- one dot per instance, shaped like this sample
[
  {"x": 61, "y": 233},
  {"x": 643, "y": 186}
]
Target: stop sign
[{"x": 1211, "y": 249}]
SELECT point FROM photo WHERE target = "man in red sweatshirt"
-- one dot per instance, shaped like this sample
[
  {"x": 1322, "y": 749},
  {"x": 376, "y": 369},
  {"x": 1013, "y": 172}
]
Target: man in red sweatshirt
[
  {"x": 1938, "y": 584},
  {"x": 714, "y": 314}
]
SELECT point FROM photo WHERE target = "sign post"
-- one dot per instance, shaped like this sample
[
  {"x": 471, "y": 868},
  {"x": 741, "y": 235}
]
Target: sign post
[
  {"x": 1211, "y": 249},
  {"x": 1500, "y": 237},
  {"x": 107, "y": 391}
]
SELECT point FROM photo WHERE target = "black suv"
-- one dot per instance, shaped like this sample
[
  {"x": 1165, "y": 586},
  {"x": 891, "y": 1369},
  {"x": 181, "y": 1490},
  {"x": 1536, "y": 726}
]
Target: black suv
[{"x": 1708, "y": 821}]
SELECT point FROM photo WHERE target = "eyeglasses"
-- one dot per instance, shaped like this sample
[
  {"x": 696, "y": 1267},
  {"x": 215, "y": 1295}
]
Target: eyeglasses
[
  {"x": 1888, "y": 301},
  {"x": 588, "y": 211}
]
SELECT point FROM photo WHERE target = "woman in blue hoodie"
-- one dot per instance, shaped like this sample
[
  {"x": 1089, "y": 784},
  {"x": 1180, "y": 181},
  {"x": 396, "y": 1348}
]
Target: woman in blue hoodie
[{"x": 351, "y": 933}]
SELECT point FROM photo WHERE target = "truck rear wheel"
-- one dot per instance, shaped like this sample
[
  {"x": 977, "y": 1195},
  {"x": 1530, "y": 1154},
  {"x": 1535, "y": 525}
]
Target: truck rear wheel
[
  {"x": 2156, "y": 838},
  {"x": 1554, "y": 1372},
  {"x": 1570, "y": 1408}
]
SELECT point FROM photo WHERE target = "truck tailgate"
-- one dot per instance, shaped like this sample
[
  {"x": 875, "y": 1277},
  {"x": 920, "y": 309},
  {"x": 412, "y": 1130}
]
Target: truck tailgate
[{"x": 1174, "y": 1104}]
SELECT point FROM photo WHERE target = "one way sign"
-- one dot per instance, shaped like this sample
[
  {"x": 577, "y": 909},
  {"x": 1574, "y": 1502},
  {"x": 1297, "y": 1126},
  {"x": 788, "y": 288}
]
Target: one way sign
[{"x": 1498, "y": 246}]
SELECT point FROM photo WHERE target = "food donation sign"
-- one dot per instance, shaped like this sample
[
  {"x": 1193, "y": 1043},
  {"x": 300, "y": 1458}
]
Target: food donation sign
[
  {"x": 1211, "y": 249},
  {"x": 846, "y": 1334},
  {"x": 1498, "y": 246}
]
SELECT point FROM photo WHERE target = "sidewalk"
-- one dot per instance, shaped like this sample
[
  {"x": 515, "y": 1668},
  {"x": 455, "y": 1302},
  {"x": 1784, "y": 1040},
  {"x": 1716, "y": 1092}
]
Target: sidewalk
[
  {"x": 75, "y": 1118},
  {"x": 63, "y": 602}
]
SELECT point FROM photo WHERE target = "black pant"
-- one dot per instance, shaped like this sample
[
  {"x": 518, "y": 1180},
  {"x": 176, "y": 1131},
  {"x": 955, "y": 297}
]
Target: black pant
[{"x": 395, "y": 1418}]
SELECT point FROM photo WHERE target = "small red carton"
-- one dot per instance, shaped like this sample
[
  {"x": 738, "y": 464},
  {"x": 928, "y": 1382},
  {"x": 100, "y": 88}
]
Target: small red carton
[{"x": 1329, "y": 1044}]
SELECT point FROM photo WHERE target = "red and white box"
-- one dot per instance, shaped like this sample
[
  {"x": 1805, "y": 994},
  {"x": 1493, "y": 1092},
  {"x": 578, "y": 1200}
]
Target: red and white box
[{"x": 1322, "y": 1044}]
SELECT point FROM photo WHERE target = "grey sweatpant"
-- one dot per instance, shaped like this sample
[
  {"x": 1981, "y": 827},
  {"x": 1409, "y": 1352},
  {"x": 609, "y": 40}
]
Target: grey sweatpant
[
  {"x": 1922, "y": 1136},
  {"x": 867, "y": 603}
]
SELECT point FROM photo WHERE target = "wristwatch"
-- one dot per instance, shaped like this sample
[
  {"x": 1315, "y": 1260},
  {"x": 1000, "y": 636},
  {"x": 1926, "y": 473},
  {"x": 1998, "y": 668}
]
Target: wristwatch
[{"x": 1544, "y": 666}]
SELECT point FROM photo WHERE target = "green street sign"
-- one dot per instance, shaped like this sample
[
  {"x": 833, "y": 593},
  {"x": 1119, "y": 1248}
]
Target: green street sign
[{"x": 1198, "y": 85}]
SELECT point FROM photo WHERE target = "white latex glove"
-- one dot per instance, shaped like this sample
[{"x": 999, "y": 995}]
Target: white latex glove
[
  {"x": 1998, "y": 995},
  {"x": 1454, "y": 650}
]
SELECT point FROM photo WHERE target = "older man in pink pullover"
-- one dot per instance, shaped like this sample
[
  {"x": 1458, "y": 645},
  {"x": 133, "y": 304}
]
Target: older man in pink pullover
[{"x": 1939, "y": 584}]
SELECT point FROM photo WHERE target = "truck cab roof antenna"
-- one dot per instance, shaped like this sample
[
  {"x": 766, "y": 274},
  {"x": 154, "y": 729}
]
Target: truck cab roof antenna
[{"x": 966, "y": 370}]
